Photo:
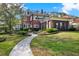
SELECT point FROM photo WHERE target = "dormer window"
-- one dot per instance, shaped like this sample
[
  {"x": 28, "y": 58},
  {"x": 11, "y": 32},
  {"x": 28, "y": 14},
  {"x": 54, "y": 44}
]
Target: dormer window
[{"x": 39, "y": 17}]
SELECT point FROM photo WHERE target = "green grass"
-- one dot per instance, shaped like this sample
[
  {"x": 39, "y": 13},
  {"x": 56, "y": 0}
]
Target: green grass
[
  {"x": 60, "y": 44},
  {"x": 11, "y": 41}
]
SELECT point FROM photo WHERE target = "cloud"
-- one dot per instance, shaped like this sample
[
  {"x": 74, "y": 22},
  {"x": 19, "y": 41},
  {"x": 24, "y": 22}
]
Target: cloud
[
  {"x": 54, "y": 7},
  {"x": 69, "y": 7},
  {"x": 65, "y": 11},
  {"x": 24, "y": 7}
]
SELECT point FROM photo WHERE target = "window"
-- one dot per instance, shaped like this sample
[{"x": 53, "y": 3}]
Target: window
[
  {"x": 56, "y": 24},
  {"x": 28, "y": 13},
  {"x": 36, "y": 26},
  {"x": 39, "y": 17},
  {"x": 60, "y": 23},
  {"x": 24, "y": 25}
]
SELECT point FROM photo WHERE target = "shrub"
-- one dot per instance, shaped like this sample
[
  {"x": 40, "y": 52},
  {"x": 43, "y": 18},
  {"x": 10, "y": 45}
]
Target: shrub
[
  {"x": 22, "y": 32},
  {"x": 26, "y": 29},
  {"x": 35, "y": 29},
  {"x": 2, "y": 39},
  {"x": 72, "y": 29},
  {"x": 2, "y": 33},
  {"x": 52, "y": 30}
]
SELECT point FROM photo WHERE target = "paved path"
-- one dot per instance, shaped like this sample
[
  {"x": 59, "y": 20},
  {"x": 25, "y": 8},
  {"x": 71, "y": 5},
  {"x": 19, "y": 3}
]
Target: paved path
[{"x": 23, "y": 47}]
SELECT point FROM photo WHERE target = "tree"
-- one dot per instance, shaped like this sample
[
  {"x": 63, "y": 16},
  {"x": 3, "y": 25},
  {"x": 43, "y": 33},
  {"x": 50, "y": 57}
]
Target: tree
[
  {"x": 22, "y": 15},
  {"x": 9, "y": 13}
]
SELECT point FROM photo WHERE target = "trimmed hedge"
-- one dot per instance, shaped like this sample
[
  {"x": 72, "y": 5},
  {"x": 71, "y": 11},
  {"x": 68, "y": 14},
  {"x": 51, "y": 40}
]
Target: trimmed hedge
[
  {"x": 52, "y": 30},
  {"x": 72, "y": 29},
  {"x": 23, "y": 31}
]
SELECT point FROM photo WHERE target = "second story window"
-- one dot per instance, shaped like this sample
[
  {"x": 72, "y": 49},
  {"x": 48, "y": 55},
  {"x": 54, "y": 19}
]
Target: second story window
[{"x": 28, "y": 13}]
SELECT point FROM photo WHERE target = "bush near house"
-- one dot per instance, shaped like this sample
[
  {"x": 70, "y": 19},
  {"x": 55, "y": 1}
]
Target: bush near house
[
  {"x": 72, "y": 29},
  {"x": 26, "y": 29},
  {"x": 52, "y": 30},
  {"x": 23, "y": 31},
  {"x": 35, "y": 29},
  {"x": 48, "y": 31}
]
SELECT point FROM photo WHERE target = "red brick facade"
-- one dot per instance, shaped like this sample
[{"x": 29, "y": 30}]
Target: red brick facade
[{"x": 36, "y": 23}]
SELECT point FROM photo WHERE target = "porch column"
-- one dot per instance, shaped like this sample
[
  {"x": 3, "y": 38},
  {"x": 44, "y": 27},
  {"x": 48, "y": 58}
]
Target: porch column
[
  {"x": 59, "y": 26},
  {"x": 47, "y": 24}
]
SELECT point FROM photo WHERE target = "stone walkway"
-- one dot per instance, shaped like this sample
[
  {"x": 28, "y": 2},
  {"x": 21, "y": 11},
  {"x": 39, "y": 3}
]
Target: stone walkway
[{"x": 23, "y": 47}]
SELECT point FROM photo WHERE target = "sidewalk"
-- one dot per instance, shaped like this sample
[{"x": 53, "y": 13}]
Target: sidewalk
[{"x": 23, "y": 47}]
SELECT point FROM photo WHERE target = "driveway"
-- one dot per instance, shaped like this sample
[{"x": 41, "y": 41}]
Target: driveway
[{"x": 23, "y": 47}]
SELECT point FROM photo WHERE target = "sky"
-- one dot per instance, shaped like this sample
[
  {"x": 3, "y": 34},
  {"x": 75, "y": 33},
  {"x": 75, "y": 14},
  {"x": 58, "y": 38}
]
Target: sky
[{"x": 68, "y": 8}]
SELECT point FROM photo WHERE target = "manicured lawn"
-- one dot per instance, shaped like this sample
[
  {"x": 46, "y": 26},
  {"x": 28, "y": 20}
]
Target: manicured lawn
[
  {"x": 60, "y": 44},
  {"x": 11, "y": 41}
]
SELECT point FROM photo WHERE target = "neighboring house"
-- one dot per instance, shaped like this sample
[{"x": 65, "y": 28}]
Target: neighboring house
[
  {"x": 75, "y": 23},
  {"x": 67, "y": 17}
]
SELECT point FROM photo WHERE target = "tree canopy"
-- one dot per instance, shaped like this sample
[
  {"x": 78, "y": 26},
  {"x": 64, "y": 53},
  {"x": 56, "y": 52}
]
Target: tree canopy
[{"x": 10, "y": 12}]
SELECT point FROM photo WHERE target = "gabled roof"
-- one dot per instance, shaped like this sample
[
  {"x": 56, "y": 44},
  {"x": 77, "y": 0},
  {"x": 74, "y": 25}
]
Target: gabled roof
[{"x": 67, "y": 17}]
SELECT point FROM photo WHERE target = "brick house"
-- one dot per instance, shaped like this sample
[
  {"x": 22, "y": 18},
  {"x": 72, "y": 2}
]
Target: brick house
[
  {"x": 44, "y": 23},
  {"x": 37, "y": 21},
  {"x": 75, "y": 23}
]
